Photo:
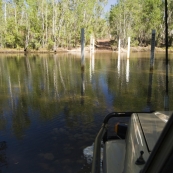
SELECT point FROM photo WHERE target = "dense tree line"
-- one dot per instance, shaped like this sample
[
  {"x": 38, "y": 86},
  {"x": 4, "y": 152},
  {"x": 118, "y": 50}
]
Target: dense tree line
[
  {"x": 137, "y": 18},
  {"x": 49, "y": 23}
]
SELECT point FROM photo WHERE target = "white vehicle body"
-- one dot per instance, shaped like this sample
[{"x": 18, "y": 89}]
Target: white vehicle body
[{"x": 135, "y": 153}]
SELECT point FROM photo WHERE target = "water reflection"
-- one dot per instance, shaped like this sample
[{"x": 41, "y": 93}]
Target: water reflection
[
  {"x": 50, "y": 110},
  {"x": 127, "y": 70},
  {"x": 82, "y": 86},
  {"x": 118, "y": 64},
  {"x": 92, "y": 65},
  {"x": 149, "y": 106}
]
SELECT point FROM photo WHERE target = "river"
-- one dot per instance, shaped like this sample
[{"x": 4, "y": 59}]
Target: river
[{"x": 51, "y": 110}]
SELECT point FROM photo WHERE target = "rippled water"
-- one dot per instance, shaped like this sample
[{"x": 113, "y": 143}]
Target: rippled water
[{"x": 50, "y": 110}]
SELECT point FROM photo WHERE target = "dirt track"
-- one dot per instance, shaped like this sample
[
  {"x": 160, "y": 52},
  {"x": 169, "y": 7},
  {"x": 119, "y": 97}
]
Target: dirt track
[{"x": 103, "y": 44}]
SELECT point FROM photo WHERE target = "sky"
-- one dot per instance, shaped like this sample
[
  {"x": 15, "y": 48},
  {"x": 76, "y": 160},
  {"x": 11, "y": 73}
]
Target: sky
[{"x": 108, "y": 6}]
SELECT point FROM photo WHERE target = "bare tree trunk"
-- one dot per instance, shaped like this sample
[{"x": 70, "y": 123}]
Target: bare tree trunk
[
  {"x": 46, "y": 25},
  {"x": 27, "y": 36},
  {"x": 42, "y": 15},
  {"x": 5, "y": 12},
  {"x": 53, "y": 26}
]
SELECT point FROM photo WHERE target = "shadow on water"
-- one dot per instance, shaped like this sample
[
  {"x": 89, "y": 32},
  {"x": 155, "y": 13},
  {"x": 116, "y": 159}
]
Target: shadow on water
[
  {"x": 3, "y": 157},
  {"x": 149, "y": 106},
  {"x": 50, "y": 110}
]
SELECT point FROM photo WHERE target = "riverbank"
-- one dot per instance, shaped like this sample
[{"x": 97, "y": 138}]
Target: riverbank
[{"x": 87, "y": 49}]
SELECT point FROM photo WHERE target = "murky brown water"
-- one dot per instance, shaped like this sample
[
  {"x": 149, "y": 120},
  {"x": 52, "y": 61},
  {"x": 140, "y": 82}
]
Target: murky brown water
[{"x": 50, "y": 110}]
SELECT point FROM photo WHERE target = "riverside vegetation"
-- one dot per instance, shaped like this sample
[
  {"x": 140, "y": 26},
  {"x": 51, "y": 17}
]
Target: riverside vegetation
[{"x": 53, "y": 24}]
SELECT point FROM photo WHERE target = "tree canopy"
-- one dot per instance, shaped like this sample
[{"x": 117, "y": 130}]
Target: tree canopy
[
  {"x": 57, "y": 23},
  {"x": 137, "y": 19},
  {"x": 49, "y": 23}
]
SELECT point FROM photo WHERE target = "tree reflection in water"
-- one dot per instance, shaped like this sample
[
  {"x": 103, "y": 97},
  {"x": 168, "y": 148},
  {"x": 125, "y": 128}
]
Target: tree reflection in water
[{"x": 50, "y": 110}]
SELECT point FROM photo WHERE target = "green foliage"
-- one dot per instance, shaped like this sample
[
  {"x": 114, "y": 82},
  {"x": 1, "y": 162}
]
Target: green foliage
[
  {"x": 137, "y": 18},
  {"x": 43, "y": 23},
  {"x": 50, "y": 45},
  {"x": 9, "y": 40}
]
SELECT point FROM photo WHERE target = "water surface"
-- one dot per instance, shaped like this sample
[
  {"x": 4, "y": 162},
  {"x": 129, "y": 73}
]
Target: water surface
[{"x": 50, "y": 109}]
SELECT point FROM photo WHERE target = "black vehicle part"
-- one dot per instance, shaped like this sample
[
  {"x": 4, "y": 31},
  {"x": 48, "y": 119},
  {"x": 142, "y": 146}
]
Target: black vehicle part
[{"x": 121, "y": 129}]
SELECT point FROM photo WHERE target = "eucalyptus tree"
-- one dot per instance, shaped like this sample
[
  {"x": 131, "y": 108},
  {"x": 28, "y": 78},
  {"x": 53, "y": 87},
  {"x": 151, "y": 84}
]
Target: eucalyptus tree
[
  {"x": 120, "y": 20},
  {"x": 116, "y": 20},
  {"x": 98, "y": 23},
  {"x": 152, "y": 18},
  {"x": 6, "y": 23},
  {"x": 91, "y": 16},
  {"x": 43, "y": 18},
  {"x": 1, "y": 23},
  {"x": 83, "y": 18},
  {"x": 170, "y": 21},
  {"x": 9, "y": 25},
  {"x": 136, "y": 18},
  {"x": 78, "y": 14},
  {"x": 49, "y": 23}
]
